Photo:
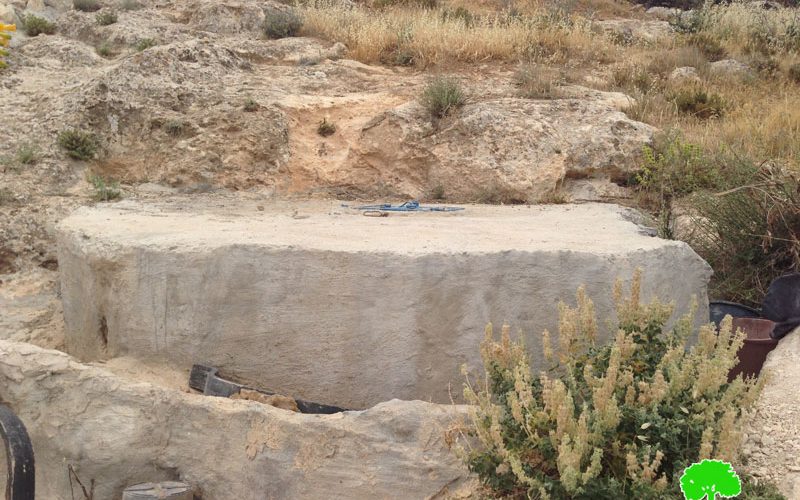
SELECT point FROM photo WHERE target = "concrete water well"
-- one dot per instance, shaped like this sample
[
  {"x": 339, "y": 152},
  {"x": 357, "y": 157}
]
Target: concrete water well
[{"x": 319, "y": 302}]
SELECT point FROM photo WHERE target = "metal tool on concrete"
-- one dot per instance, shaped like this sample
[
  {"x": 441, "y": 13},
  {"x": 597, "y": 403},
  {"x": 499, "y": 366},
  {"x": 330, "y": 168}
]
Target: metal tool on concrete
[
  {"x": 205, "y": 379},
  {"x": 21, "y": 475},
  {"x": 168, "y": 490}
]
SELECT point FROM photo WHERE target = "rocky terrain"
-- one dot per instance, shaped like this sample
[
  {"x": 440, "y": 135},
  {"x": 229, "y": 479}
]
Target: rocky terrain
[{"x": 189, "y": 99}]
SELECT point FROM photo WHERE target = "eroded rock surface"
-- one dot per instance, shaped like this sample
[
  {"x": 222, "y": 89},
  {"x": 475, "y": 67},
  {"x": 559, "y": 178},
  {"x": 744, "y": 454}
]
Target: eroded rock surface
[{"x": 119, "y": 433}]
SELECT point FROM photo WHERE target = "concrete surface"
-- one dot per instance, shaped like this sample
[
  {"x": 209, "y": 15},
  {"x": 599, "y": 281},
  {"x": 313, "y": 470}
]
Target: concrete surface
[
  {"x": 318, "y": 302},
  {"x": 119, "y": 433}
]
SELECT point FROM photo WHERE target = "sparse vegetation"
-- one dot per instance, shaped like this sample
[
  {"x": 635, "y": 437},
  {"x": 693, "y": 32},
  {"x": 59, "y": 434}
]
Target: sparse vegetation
[
  {"x": 105, "y": 49},
  {"x": 442, "y": 96},
  {"x": 438, "y": 193},
  {"x": 78, "y": 144},
  {"x": 326, "y": 128},
  {"x": 35, "y": 26},
  {"x": 537, "y": 83},
  {"x": 104, "y": 190},
  {"x": 699, "y": 103},
  {"x": 106, "y": 18},
  {"x": 86, "y": 5},
  {"x": 250, "y": 105},
  {"x": 794, "y": 73},
  {"x": 281, "y": 24},
  {"x": 606, "y": 421},
  {"x": 27, "y": 154},
  {"x": 175, "y": 127},
  {"x": 145, "y": 43},
  {"x": 130, "y": 5}
]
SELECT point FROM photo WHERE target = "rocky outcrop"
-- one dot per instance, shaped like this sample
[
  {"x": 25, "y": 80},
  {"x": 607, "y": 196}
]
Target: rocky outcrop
[
  {"x": 730, "y": 68},
  {"x": 320, "y": 303},
  {"x": 116, "y": 433},
  {"x": 772, "y": 441},
  {"x": 516, "y": 149},
  {"x": 685, "y": 75},
  {"x": 634, "y": 30}
]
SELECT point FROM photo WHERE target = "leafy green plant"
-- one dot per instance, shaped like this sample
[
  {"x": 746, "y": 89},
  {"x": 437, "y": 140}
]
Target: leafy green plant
[
  {"x": 605, "y": 421},
  {"x": 27, "y": 154},
  {"x": 326, "y": 128},
  {"x": 710, "y": 478},
  {"x": 106, "y": 18},
  {"x": 78, "y": 144},
  {"x": 35, "y": 25},
  {"x": 104, "y": 190},
  {"x": 442, "y": 96},
  {"x": 144, "y": 44},
  {"x": 86, "y": 5},
  {"x": 281, "y": 24},
  {"x": 699, "y": 103}
]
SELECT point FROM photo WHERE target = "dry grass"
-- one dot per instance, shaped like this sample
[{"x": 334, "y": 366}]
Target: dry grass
[{"x": 431, "y": 37}]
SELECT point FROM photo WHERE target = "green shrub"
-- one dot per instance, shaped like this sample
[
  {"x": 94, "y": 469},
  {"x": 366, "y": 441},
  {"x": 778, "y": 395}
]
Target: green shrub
[
  {"x": 106, "y": 18},
  {"x": 749, "y": 234},
  {"x": 606, "y": 421},
  {"x": 699, "y": 103},
  {"x": 281, "y": 24},
  {"x": 250, "y": 105},
  {"x": 688, "y": 21},
  {"x": 794, "y": 72},
  {"x": 27, "y": 154},
  {"x": 104, "y": 190},
  {"x": 175, "y": 128},
  {"x": 35, "y": 25},
  {"x": 86, "y": 5},
  {"x": 130, "y": 5},
  {"x": 326, "y": 128},
  {"x": 145, "y": 43},
  {"x": 78, "y": 144},
  {"x": 459, "y": 13},
  {"x": 708, "y": 46},
  {"x": 442, "y": 96},
  {"x": 105, "y": 49}
]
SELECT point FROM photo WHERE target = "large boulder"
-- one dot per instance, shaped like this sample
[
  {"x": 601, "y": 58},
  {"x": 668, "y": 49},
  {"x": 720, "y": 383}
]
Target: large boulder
[
  {"x": 320, "y": 303},
  {"x": 116, "y": 432},
  {"x": 520, "y": 148}
]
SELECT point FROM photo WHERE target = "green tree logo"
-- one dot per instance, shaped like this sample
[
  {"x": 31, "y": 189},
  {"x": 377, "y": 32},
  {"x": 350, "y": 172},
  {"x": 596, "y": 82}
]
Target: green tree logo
[{"x": 710, "y": 478}]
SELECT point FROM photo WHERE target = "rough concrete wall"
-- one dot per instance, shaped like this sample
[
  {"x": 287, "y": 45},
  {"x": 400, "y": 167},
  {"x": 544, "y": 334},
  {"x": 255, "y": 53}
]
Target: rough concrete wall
[
  {"x": 120, "y": 433},
  {"x": 338, "y": 327}
]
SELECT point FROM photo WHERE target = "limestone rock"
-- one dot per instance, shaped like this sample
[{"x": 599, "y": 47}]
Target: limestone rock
[
  {"x": 685, "y": 75},
  {"x": 663, "y": 13},
  {"x": 119, "y": 433},
  {"x": 8, "y": 15},
  {"x": 631, "y": 30},
  {"x": 730, "y": 68},
  {"x": 517, "y": 147},
  {"x": 396, "y": 308}
]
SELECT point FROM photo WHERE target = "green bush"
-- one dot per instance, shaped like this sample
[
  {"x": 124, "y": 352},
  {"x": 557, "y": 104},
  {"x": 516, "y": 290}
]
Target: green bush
[
  {"x": 326, "y": 128},
  {"x": 145, "y": 43},
  {"x": 688, "y": 21},
  {"x": 106, "y": 18},
  {"x": 175, "y": 128},
  {"x": 699, "y": 103},
  {"x": 104, "y": 190},
  {"x": 442, "y": 96},
  {"x": 35, "y": 25},
  {"x": 78, "y": 144},
  {"x": 708, "y": 46},
  {"x": 105, "y": 49},
  {"x": 27, "y": 154},
  {"x": 250, "y": 105},
  {"x": 794, "y": 72},
  {"x": 86, "y": 5},
  {"x": 606, "y": 421},
  {"x": 749, "y": 234},
  {"x": 281, "y": 24}
]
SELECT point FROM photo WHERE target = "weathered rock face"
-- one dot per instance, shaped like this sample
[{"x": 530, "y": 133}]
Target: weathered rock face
[
  {"x": 730, "y": 68},
  {"x": 165, "y": 109},
  {"x": 632, "y": 30},
  {"x": 684, "y": 75},
  {"x": 120, "y": 433},
  {"x": 772, "y": 446},
  {"x": 519, "y": 148},
  {"x": 337, "y": 308}
]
